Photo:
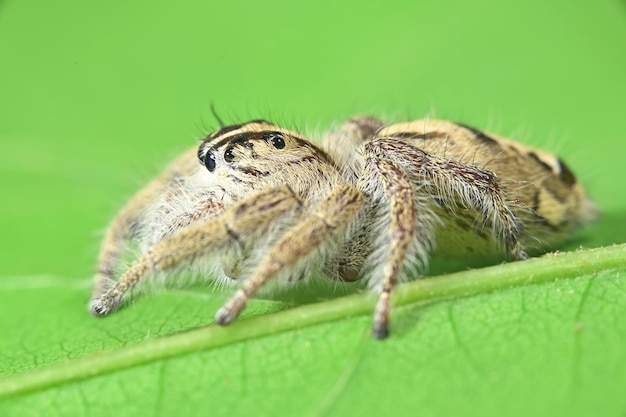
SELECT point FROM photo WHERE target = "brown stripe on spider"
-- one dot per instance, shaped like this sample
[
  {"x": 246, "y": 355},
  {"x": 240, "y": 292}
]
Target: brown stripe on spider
[
  {"x": 231, "y": 128},
  {"x": 241, "y": 138},
  {"x": 385, "y": 146},
  {"x": 558, "y": 184},
  {"x": 418, "y": 136},
  {"x": 250, "y": 171},
  {"x": 542, "y": 163},
  {"x": 480, "y": 135},
  {"x": 553, "y": 186},
  {"x": 217, "y": 139},
  {"x": 322, "y": 154},
  {"x": 536, "y": 208},
  {"x": 565, "y": 174}
]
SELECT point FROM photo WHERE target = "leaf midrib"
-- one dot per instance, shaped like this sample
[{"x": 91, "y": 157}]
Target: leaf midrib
[{"x": 460, "y": 284}]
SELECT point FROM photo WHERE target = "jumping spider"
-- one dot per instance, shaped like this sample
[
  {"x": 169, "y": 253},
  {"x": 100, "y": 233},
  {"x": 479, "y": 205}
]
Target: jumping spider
[{"x": 372, "y": 201}]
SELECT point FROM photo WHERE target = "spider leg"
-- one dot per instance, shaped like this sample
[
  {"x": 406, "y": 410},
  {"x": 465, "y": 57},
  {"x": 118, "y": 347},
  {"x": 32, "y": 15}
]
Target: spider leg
[
  {"x": 355, "y": 129},
  {"x": 343, "y": 142},
  {"x": 246, "y": 218},
  {"x": 121, "y": 227},
  {"x": 456, "y": 183},
  {"x": 334, "y": 212},
  {"x": 402, "y": 231}
]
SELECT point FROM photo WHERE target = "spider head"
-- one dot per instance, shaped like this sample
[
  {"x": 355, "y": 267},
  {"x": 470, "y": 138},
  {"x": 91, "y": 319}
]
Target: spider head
[{"x": 256, "y": 148}]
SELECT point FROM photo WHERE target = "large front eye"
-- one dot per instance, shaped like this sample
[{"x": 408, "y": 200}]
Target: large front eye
[
  {"x": 209, "y": 161},
  {"x": 206, "y": 157}
]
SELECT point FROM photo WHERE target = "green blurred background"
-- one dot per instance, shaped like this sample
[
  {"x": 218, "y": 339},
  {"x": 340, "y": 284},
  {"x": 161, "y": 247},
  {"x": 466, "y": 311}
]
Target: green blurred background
[{"x": 95, "y": 97}]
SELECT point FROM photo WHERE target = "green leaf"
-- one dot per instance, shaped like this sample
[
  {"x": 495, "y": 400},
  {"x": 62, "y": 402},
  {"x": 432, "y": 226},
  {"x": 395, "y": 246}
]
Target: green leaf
[{"x": 569, "y": 332}]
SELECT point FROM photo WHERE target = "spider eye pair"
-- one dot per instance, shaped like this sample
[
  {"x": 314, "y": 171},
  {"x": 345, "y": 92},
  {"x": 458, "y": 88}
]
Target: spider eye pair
[{"x": 207, "y": 157}]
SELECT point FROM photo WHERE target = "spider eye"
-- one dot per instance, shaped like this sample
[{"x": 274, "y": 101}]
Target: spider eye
[
  {"x": 209, "y": 161},
  {"x": 206, "y": 158},
  {"x": 277, "y": 141},
  {"x": 229, "y": 155}
]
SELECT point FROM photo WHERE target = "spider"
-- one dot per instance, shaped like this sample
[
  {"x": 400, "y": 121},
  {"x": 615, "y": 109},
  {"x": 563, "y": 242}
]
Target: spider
[{"x": 372, "y": 201}]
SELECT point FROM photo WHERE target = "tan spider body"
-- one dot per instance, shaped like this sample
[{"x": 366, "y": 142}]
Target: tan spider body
[{"x": 372, "y": 201}]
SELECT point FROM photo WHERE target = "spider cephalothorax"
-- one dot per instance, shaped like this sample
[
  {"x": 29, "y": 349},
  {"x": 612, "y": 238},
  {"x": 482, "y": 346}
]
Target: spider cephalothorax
[{"x": 266, "y": 203}]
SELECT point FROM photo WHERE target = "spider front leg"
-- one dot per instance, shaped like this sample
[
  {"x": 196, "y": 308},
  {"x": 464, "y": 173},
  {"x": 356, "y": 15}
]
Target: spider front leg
[
  {"x": 320, "y": 225},
  {"x": 243, "y": 220},
  {"x": 121, "y": 227}
]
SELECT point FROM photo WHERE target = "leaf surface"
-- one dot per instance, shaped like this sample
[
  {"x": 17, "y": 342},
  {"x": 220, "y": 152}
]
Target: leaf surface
[{"x": 559, "y": 341}]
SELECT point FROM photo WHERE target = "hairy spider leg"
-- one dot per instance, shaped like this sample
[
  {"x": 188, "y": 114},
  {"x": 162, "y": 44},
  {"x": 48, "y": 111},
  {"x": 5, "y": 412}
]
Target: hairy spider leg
[{"x": 242, "y": 221}]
